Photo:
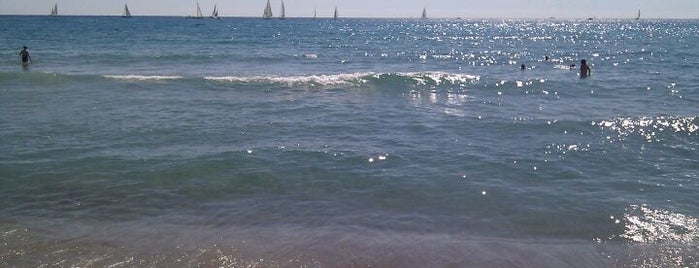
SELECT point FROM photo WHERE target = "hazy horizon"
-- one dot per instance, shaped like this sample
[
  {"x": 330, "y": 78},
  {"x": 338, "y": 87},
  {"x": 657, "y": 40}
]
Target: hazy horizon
[{"x": 533, "y": 9}]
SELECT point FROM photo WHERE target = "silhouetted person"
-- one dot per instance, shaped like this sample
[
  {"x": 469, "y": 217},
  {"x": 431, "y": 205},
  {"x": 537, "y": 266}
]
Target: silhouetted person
[
  {"x": 523, "y": 67},
  {"x": 24, "y": 54},
  {"x": 584, "y": 69}
]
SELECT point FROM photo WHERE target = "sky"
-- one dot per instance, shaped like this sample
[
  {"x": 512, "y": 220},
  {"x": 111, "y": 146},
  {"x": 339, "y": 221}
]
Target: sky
[{"x": 681, "y": 9}]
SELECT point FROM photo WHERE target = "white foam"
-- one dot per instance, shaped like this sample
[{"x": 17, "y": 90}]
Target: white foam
[
  {"x": 144, "y": 77},
  {"x": 421, "y": 78},
  {"x": 326, "y": 80},
  {"x": 441, "y": 77},
  {"x": 564, "y": 67}
]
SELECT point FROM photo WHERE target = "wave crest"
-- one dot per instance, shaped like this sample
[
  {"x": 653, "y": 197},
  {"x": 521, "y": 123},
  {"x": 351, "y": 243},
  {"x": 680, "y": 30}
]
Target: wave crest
[
  {"x": 438, "y": 78},
  {"x": 356, "y": 79},
  {"x": 313, "y": 80},
  {"x": 144, "y": 77}
]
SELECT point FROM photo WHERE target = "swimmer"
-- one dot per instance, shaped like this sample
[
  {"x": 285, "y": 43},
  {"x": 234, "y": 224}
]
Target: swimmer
[
  {"x": 24, "y": 54},
  {"x": 584, "y": 69}
]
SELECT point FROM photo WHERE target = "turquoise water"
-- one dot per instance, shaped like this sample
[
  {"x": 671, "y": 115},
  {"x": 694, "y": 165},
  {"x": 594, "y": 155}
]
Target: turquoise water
[{"x": 160, "y": 141}]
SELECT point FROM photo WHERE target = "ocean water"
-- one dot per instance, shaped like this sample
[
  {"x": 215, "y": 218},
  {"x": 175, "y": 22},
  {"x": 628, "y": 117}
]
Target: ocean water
[{"x": 172, "y": 142}]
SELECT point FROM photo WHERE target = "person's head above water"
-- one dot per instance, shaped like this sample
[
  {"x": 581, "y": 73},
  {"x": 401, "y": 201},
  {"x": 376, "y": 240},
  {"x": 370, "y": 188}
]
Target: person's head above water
[
  {"x": 583, "y": 62},
  {"x": 25, "y": 47}
]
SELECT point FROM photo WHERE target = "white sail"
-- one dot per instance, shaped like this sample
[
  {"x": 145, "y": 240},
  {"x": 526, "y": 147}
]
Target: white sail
[
  {"x": 282, "y": 14},
  {"x": 126, "y": 14},
  {"x": 335, "y": 15},
  {"x": 54, "y": 10},
  {"x": 199, "y": 14},
  {"x": 268, "y": 11},
  {"x": 214, "y": 14},
  {"x": 424, "y": 13}
]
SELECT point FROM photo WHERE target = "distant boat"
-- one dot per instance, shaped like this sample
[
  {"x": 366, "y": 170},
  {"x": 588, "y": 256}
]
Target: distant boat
[
  {"x": 335, "y": 15},
  {"x": 424, "y": 13},
  {"x": 126, "y": 14},
  {"x": 282, "y": 13},
  {"x": 314, "y": 13},
  {"x": 199, "y": 15},
  {"x": 638, "y": 16},
  {"x": 214, "y": 14},
  {"x": 54, "y": 10},
  {"x": 268, "y": 11}
]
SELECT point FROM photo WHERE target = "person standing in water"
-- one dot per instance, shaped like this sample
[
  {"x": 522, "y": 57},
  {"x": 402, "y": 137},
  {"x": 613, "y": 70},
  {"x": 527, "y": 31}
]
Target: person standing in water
[
  {"x": 24, "y": 54},
  {"x": 584, "y": 69}
]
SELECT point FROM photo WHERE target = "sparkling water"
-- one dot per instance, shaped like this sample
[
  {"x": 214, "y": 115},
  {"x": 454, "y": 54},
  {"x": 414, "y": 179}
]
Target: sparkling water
[{"x": 171, "y": 142}]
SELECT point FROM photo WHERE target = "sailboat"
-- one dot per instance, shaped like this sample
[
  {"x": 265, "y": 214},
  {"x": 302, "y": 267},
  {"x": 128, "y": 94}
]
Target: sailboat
[
  {"x": 198, "y": 15},
  {"x": 335, "y": 15},
  {"x": 214, "y": 14},
  {"x": 424, "y": 13},
  {"x": 639, "y": 15},
  {"x": 282, "y": 14},
  {"x": 126, "y": 14},
  {"x": 314, "y": 13},
  {"x": 268, "y": 11},
  {"x": 54, "y": 10}
]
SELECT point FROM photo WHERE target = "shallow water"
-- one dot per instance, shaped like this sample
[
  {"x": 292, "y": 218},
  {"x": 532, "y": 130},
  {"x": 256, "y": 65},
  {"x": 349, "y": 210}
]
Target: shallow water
[{"x": 361, "y": 142}]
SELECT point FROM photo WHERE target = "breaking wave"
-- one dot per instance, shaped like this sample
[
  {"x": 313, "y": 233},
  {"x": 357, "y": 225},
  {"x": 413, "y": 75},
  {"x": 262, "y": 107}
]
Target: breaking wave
[
  {"x": 311, "y": 80},
  {"x": 355, "y": 79},
  {"x": 144, "y": 77},
  {"x": 359, "y": 79}
]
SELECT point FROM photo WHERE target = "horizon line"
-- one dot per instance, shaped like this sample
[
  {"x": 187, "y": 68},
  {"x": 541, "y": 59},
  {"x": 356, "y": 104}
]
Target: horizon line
[{"x": 359, "y": 17}]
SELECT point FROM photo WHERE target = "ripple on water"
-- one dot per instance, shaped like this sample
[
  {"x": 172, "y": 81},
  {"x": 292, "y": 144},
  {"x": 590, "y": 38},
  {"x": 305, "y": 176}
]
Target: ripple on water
[{"x": 650, "y": 128}]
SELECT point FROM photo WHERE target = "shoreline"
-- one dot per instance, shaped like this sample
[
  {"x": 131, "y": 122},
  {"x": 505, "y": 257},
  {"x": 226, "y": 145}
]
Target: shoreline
[{"x": 164, "y": 244}]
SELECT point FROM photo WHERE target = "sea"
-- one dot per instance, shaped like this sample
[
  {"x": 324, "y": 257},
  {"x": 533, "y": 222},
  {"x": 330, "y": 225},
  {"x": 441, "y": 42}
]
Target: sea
[{"x": 243, "y": 142}]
